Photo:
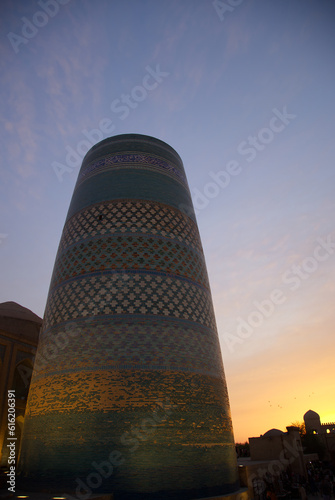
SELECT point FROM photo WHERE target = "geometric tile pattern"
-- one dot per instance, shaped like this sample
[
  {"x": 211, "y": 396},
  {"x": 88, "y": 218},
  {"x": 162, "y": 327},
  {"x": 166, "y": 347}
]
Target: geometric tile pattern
[
  {"x": 129, "y": 251},
  {"x": 128, "y": 217},
  {"x": 129, "y": 322},
  {"x": 141, "y": 344},
  {"x": 144, "y": 293}
]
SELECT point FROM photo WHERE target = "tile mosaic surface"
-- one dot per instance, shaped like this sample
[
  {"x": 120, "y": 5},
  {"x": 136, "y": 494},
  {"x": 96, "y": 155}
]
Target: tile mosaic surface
[{"x": 129, "y": 363}]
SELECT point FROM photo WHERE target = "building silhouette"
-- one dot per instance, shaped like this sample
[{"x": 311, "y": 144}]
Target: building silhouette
[
  {"x": 19, "y": 330},
  {"x": 282, "y": 459},
  {"x": 133, "y": 400},
  {"x": 324, "y": 433},
  {"x": 285, "y": 447}
]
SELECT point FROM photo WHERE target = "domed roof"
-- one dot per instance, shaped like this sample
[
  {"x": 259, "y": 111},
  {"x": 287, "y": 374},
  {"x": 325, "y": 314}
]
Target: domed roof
[
  {"x": 273, "y": 432},
  {"x": 311, "y": 414},
  {"x": 14, "y": 310},
  {"x": 19, "y": 321}
]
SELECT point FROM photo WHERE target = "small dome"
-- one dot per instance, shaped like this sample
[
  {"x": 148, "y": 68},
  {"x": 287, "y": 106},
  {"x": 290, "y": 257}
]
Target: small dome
[
  {"x": 273, "y": 432},
  {"x": 311, "y": 414}
]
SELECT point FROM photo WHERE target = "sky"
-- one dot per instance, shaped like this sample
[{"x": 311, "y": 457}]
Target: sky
[{"x": 243, "y": 90}]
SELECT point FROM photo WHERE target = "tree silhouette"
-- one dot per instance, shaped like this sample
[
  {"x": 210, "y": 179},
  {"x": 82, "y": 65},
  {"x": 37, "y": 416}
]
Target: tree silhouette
[{"x": 301, "y": 426}]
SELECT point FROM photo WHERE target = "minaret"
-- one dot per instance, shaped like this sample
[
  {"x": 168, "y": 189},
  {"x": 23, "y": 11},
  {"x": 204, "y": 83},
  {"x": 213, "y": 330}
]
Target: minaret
[{"x": 129, "y": 394}]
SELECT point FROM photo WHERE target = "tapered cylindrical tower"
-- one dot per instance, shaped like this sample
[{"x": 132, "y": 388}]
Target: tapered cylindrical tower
[{"x": 129, "y": 394}]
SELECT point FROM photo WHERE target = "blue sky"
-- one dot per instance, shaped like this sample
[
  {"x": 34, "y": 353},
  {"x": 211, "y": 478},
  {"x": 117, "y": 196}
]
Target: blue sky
[{"x": 223, "y": 82}]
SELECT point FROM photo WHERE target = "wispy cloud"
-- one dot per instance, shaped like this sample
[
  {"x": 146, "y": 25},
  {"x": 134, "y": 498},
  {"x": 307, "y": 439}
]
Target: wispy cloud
[{"x": 21, "y": 141}]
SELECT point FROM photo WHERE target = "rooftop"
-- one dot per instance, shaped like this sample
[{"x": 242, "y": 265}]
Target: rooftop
[
  {"x": 14, "y": 310},
  {"x": 20, "y": 322}
]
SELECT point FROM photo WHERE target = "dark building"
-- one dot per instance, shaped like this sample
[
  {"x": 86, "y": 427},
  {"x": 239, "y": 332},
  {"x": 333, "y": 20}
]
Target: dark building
[
  {"x": 19, "y": 329},
  {"x": 323, "y": 435},
  {"x": 129, "y": 394}
]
